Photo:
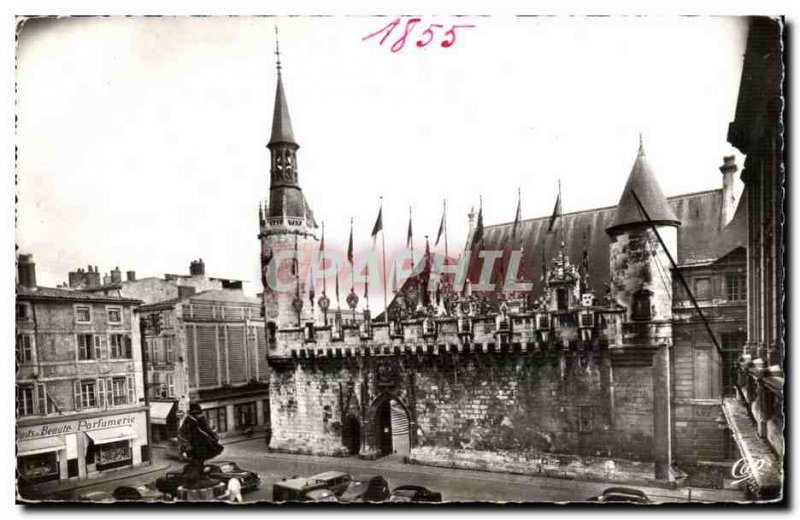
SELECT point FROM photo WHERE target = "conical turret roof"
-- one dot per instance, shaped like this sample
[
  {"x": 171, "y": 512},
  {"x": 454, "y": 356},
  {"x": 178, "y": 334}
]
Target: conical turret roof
[
  {"x": 644, "y": 184},
  {"x": 281, "y": 122}
]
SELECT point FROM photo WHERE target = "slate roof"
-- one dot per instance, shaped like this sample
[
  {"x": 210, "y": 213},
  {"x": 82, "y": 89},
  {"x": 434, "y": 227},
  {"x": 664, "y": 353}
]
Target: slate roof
[
  {"x": 50, "y": 293},
  {"x": 700, "y": 238},
  {"x": 290, "y": 201},
  {"x": 642, "y": 182},
  {"x": 214, "y": 295},
  {"x": 281, "y": 122}
]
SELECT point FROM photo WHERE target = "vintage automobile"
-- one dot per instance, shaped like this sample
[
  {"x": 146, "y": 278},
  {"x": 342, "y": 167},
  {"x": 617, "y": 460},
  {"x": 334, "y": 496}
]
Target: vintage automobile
[
  {"x": 142, "y": 493},
  {"x": 621, "y": 495},
  {"x": 336, "y": 481},
  {"x": 414, "y": 494},
  {"x": 219, "y": 470},
  {"x": 96, "y": 496},
  {"x": 366, "y": 488},
  {"x": 225, "y": 470},
  {"x": 296, "y": 489},
  {"x": 321, "y": 495}
]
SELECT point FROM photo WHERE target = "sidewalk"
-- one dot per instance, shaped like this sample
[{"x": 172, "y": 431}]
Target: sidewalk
[
  {"x": 586, "y": 487},
  {"x": 57, "y": 489}
]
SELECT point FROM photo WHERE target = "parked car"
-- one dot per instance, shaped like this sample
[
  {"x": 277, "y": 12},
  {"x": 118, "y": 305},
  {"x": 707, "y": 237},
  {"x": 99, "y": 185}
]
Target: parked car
[
  {"x": 173, "y": 450},
  {"x": 621, "y": 494},
  {"x": 414, "y": 494},
  {"x": 321, "y": 495},
  {"x": 336, "y": 481},
  {"x": 225, "y": 470},
  {"x": 142, "y": 493},
  {"x": 366, "y": 488},
  {"x": 169, "y": 483},
  {"x": 96, "y": 496},
  {"x": 296, "y": 489}
]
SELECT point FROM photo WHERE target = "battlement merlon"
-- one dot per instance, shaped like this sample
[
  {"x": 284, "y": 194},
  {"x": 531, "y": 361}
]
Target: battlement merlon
[{"x": 519, "y": 332}]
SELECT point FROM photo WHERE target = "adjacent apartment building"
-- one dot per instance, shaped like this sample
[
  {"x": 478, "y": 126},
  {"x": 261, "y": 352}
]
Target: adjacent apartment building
[
  {"x": 208, "y": 348},
  {"x": 79, "y": 393}
]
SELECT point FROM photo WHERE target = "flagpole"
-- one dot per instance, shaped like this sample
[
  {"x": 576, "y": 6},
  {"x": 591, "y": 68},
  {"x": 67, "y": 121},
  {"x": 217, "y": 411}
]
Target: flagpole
[
  {"x": 352, "y": 270},
  {"x": 412, "y": 239},
  {"x": 383, "y": 244},
  {"x": 322, "y": 258},
  {"x": 445, "y": 229}
]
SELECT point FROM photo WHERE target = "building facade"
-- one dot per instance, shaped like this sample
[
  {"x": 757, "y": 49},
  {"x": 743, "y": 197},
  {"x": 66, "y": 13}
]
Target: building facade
[
  {"x": 80, "y": 400},
  {"x": 757, "y": 415},
  {"x": 598, "y": 361},
  {"x": 208, "y": 348}
]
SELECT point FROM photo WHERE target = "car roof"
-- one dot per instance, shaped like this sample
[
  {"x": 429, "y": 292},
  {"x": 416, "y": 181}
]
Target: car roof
[
  {"x": 409, "y": 487},
  {"x": 366, "y": 477},
  {"x": 624, "y": 491},
  {"x": 329, "y": 474},
  {"x": 298, "y": 484}
]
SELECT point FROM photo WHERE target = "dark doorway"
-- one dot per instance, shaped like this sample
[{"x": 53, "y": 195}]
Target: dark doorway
[
  {"x": 384, "y": 417},
  {"x": 351, "y": 435}
]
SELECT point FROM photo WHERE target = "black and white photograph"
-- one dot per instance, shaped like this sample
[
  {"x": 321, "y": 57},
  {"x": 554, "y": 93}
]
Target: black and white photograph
[{"x": 399, "y": 260}]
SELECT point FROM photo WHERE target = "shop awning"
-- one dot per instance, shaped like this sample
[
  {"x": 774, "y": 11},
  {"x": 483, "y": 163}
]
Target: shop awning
[
  {"x": 160, "y": 411},
  {"x": 112, "y": 435},
  {"x": 43, "y": 445}
]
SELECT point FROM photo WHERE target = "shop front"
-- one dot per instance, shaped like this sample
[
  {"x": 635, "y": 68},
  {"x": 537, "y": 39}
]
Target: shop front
[
  {"x": 80, "y": 447},
  {"x": 163, "y": 420}
]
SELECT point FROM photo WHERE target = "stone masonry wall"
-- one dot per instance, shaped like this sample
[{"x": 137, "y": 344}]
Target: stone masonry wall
[{"x": 525, "y": 404}]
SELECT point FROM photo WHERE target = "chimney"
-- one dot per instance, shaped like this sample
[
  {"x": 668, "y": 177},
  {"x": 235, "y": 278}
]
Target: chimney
[
  {"x": 106, "y": 279},
  {"x": 131, "y": 275},
  {"x": 26, "y": 271},
  {"x": 730, "y": 195},
  {"x": 197, "y": 268},
  {"x": 116, "y": 275}
]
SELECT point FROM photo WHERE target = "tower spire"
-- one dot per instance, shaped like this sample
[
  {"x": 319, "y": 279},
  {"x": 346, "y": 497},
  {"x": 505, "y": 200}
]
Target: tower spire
[{"x": 277, "y": 50}]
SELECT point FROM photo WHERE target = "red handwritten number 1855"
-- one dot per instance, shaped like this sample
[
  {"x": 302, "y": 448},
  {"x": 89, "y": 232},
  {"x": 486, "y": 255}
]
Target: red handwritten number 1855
[{"x": 427, "y": 35}]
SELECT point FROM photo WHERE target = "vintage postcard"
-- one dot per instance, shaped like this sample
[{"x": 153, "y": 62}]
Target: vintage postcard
[{"x": 399, "y": 259}]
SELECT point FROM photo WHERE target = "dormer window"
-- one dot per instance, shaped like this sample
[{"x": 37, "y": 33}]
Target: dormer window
[{"x": 641, "y": 305}]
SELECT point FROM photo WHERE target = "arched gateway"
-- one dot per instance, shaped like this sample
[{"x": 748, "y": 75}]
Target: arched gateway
[{"x": 390, "y": 432}]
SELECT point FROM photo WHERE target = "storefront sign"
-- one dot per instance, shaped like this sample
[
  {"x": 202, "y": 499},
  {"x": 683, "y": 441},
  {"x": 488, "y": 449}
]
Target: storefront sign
[{"x": 80, "y": 425}]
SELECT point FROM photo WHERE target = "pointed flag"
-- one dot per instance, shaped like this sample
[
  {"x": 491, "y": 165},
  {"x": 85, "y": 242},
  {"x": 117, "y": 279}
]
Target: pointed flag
[
  {"x": 410, "y": 236},
  {"x": 337, "y": 286},
  {"x": 394, "y": 278},
  {"x": 311, "y": 290},
  {"x": 322, "y": 240},
  {"x": 350, "y": 244},
  {"x": 478, "y": 235},
  {"x": 544, "y": 262},
  {"x": 366, "y": 283},
  {"x": 517, "y": 216},
  {"x": 378, "y": 227},
  {"x": 441, "y": 229},
  {"x": 556, "y": 210}
]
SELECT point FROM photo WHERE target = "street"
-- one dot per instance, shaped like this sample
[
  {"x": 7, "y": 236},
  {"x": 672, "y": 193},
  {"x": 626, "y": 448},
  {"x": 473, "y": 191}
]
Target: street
[{"x": 454, "y": 485}]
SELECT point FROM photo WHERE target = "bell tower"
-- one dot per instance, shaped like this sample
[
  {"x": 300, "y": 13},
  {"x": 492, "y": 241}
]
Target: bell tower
[{"x": 288, "y": 231}]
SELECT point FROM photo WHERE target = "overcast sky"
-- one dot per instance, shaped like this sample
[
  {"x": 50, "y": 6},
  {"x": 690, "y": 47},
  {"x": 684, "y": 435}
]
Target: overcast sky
[{"x": 142, "y": 140}]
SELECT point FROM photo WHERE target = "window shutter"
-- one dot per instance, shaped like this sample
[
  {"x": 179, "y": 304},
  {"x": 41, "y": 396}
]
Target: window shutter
[
  {"x": 41, "y": 395},
  {"x": 110, "y": 391},
  {"x": 101, "y": 390},
  {"x": 131, "y": 390},
  {"x": 76, "y": 385},
  {"x": 97, "y": 347},
  {"x": 128, "y": 347}
]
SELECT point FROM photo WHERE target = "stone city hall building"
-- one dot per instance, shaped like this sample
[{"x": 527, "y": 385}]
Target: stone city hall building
[
  {"x": 79, "y": 390},
  {"x": 605, "y": 358}
]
